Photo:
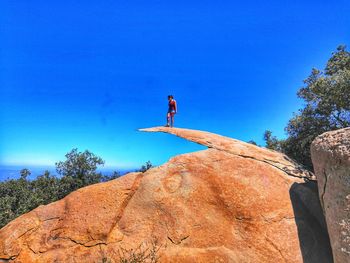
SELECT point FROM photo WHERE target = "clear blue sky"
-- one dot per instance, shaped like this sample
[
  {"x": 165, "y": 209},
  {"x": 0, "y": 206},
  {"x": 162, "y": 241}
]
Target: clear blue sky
[{"x": 87, "y": 74}]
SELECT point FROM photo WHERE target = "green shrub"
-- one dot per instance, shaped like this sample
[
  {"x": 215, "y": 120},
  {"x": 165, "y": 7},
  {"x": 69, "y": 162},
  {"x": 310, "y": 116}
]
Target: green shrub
[
  {"x": 327, "y": 107},
  {"x": 19, "y": 196}
]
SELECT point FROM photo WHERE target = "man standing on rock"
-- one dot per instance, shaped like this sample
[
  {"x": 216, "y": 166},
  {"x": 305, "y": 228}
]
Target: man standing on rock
[{"x": 172, "y": 110}]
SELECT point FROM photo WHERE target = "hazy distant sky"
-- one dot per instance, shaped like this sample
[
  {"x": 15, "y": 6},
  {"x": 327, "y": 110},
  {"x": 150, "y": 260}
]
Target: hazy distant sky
[{"x": 87, "y": 74}]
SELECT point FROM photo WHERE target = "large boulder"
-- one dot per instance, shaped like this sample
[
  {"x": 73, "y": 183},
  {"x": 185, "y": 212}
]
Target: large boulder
[
  {"x": 233, "y": 202},
  {"x": 331, "y": 159}
]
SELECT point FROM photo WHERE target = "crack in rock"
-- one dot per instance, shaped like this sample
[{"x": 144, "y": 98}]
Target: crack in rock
[
  {"x": 283, "y": 169},
  {"x": 177, "y": 242},
  {"x": 52, "y": 218},
  {"x": 324, "y": 190},
  {"x": 98, "y": 242},
  {"x": 9, "y": 258},
  {"x": 33, "y": 228},
  {"x": 276, "y": 248},
  {"x": 33, "y": 251},
  {"x": 126, "y": 201}
]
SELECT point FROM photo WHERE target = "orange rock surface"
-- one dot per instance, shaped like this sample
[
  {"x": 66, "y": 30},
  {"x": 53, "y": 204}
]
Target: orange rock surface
[{"x": 233, "y": 202}]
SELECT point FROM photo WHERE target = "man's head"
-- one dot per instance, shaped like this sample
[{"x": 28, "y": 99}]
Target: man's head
[{"x": 170, "y": 97}]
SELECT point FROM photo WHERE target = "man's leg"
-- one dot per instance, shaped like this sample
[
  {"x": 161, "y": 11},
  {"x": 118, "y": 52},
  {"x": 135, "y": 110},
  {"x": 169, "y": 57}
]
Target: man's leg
[
  {"x": 167, "y": 119},
  {"x": 172, "y": 119}
]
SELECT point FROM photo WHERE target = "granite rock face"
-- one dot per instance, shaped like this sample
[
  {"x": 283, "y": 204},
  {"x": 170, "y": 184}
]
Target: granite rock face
[
  {"x": 331, "y": 159},
  {"x": 233, "y": 202}
]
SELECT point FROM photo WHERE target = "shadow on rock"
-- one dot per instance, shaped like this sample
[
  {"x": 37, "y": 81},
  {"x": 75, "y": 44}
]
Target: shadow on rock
[{"x": 311, "y": 224}]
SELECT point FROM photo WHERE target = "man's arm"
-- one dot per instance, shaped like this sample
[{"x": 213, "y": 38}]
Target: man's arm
[{"x": 175, "y": 106}]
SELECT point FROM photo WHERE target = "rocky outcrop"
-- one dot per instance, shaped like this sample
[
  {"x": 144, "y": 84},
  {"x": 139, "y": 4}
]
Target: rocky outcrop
[
  {"x": 233, "y": 202},
  {"x": 331, "y": 159}
]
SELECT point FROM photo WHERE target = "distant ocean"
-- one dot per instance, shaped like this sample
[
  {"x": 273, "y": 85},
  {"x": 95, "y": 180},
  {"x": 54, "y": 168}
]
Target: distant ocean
[{"x": 13, "y": 171}]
